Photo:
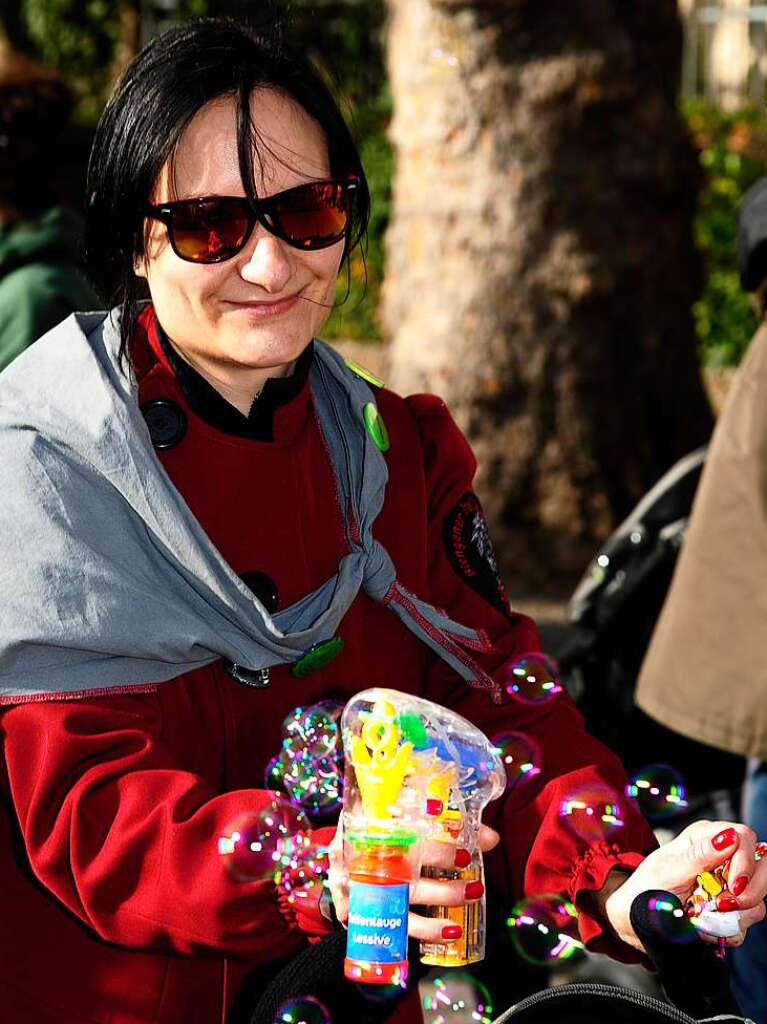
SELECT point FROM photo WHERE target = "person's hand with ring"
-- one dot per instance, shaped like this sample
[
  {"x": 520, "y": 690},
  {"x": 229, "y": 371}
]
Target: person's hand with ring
[{"x": 700, "y": 847}]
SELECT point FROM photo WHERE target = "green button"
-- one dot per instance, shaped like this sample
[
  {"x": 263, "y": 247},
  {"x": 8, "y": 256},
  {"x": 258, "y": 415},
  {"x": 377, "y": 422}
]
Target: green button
[
  {"x": 376, "y": 426},
  {"x": 365, "y": 374},
  {"x": 317, "y": 657}
]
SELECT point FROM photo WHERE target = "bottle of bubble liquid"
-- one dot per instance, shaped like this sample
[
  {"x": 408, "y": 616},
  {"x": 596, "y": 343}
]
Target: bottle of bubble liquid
[{"x": 380, "y": 875}]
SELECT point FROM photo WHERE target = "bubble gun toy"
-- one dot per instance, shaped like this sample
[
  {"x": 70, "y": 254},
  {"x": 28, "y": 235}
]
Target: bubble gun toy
[
  {"x": 702, "y": 904},
  {"x": 414, "y": 771}
]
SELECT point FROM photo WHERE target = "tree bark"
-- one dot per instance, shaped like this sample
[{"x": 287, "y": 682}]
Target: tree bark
[
  {"x": 128, "y": 41},
  {"x": 541, "y": 265}
]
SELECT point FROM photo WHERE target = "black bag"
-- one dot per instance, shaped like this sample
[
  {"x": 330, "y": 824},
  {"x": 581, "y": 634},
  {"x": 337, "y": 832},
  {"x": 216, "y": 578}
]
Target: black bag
[
  {"x": 599, "y": 1004},
  {"x": 317, "y": 971}
]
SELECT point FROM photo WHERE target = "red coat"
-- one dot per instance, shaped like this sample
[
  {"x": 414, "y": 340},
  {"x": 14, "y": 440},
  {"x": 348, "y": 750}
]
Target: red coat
[{"x": 116, "y": 909}]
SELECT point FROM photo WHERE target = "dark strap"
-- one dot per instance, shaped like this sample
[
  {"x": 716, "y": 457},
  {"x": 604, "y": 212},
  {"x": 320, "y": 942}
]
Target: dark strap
[{"x": 318, "y": 971}]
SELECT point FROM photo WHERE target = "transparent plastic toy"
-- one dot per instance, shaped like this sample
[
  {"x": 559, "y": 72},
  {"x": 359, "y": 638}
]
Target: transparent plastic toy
[{"x": 414, "y": 771}]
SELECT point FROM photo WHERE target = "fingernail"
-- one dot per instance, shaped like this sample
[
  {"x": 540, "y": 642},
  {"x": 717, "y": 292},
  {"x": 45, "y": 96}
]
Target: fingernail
[
  {"x": 434, "y": 808},
  {"x": 725, "y": 903},
  {"x": 462, "y": 858},
  {"x": 452, "y": 931},
  {"x": 724, "y": 839},
  {"x": 473, "y": 890},
  {"x": 739, "y": 885}
]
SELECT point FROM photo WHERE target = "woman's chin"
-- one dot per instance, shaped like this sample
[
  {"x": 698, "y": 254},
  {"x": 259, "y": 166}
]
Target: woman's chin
[{"x": 258, "y": 350}]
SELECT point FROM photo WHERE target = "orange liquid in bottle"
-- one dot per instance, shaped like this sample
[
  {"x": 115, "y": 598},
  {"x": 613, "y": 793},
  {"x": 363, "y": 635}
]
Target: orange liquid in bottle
[{"x": 379, "y": 880}]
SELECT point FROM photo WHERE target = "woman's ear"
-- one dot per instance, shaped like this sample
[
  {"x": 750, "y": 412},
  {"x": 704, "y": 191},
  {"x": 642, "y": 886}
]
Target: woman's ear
[{"x": 139, "y": 267}]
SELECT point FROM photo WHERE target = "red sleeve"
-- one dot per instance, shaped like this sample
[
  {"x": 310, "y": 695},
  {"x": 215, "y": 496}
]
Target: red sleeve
[
  {"x": 538, "y": 854},
  {"x": 127, "y": 840},
  {"x": 302, "y": 903}
]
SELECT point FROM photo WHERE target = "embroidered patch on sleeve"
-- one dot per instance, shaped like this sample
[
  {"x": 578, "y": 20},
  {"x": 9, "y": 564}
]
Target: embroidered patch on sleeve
[{"x": 471, "y": 553}]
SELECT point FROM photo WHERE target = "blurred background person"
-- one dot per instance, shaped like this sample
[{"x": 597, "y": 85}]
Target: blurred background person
[
  {"x": 40, "y": 278},
  {"x": 704, "y": 674}
]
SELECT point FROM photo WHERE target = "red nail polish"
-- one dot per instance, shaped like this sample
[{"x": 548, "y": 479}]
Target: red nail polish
[
  {"x": 725, "y": 903},
  {"x": 462, "y": 858},
  {"x": 452, "y": 931},
  {"x": 434, "y": 808},
  {"x": 473, "y": 890},
  {"x": 724, "y": 839},
  {"x": 739, "y": 885}
]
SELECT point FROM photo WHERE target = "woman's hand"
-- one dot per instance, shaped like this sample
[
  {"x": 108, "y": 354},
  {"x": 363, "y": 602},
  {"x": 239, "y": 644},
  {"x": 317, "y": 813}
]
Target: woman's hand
[
  {"x": 426, "y": 892},
  {"x": 702, "y": 846}
]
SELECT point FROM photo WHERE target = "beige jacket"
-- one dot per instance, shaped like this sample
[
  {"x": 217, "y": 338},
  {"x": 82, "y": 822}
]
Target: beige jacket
[{"x": 705, "y": 672}]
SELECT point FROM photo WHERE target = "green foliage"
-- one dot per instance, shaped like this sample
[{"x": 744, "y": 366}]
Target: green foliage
[
  {"x": 71, "y": 34},
  {"x": 355, "y": 314},
  {"x": 733, "y": 154},
  {"x": 77, "y": 36}
]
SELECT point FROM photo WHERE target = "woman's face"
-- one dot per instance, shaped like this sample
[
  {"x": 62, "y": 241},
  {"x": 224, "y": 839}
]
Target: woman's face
[{"x": 248, "y": 318}]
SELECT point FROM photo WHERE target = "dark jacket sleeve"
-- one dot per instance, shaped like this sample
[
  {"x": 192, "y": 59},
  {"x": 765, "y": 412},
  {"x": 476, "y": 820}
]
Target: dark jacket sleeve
[
  {"x": 538, "y": 853},
  {"x": 127, "y": 840}
]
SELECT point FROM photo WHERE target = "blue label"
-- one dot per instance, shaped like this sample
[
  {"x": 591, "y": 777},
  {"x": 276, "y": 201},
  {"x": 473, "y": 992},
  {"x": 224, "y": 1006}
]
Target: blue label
[{"x": 377, "y": 925}]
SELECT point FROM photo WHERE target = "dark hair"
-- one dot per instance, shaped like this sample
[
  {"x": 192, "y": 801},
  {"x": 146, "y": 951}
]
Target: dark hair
[{"x": 161, "y": 90}]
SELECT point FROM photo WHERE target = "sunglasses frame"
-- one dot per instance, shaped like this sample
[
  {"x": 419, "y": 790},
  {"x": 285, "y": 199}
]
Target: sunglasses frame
[{"x": 258, "y": 212}]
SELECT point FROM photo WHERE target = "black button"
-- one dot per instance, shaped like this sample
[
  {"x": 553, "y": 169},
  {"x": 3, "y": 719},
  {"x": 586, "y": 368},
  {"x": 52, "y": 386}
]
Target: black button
[
  {"x": 263, "y": 587},
  {"x": 166, "y": 422}
]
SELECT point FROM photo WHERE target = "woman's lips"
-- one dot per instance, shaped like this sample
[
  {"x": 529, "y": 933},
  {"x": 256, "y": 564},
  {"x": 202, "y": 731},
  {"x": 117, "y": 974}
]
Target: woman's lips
[{"x": 259, "y": 308}]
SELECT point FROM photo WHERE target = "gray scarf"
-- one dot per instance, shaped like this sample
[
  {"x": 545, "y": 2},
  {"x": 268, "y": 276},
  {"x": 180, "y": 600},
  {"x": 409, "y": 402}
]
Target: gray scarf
[{"x": 107, "y": 580}]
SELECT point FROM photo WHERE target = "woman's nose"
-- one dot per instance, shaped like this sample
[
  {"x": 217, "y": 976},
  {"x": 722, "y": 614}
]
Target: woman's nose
[{"x": 269, "y": 264}]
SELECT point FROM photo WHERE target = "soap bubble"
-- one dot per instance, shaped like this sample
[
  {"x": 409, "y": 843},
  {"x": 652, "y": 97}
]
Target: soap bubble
[
  {"x": 592, "y": 813},
  {"x": 444, "y": 57},
  {"x": 380, "y": 993},
  {"x": 544, "y": 930},
  {"x": 309, "y": 766},
  {"x": 520, "y": 756},
  {"x": 455, "y": 997},
  {"x": 274, "y": 776},
  {"x": 301, "y": 878},
  {"x": 313, "y": 731},
  {"x": 671, "y": 919},
  {"x": 315, "y": 784},
  {"x": 533, "y": 679},
  {"x": 305, "y": 1010},
  {"x": 658, "y": 790},
  {"x": 257, "y": 845},
  {"x": 332, "y": 708}
]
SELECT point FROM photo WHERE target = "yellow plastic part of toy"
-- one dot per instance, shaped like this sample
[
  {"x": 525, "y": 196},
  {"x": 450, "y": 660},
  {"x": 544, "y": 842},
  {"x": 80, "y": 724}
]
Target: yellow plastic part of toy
[
  {"x": 380, "y": 762},
  {"x": 711, "y": 885}
]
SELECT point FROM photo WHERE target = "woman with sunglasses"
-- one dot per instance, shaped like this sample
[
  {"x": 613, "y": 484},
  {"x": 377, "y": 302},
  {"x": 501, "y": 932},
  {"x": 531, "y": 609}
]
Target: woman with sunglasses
[{"x": 209, "y": 519}]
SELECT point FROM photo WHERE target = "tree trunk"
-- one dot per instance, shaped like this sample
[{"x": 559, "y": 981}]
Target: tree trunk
[
  {"x": 540, "y": 258},
  {"x": 128, "y": 40}
]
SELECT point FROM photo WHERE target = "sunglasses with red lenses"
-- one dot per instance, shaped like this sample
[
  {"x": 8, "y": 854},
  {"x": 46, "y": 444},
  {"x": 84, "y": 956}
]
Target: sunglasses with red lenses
[{"x": 212, "y": 229}]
